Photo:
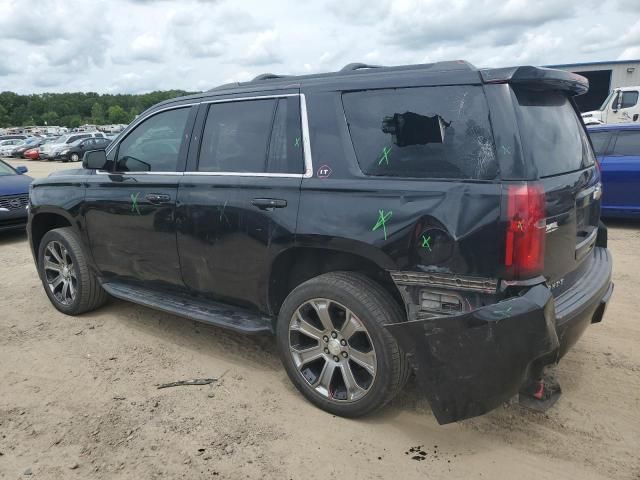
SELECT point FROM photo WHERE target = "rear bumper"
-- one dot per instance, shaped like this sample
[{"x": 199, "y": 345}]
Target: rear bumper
[{"x": 471, "y": 363}]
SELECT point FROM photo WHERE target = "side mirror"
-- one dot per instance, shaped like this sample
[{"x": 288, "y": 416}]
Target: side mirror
[
  {"x": 94, "y": 160},
  {"x": 22, "y": 170}
]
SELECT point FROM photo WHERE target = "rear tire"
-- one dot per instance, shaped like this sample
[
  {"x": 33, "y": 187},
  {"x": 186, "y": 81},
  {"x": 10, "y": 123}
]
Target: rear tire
[
  {"x": 334, "y": 347},
  {"x": 68, "y": 282}
]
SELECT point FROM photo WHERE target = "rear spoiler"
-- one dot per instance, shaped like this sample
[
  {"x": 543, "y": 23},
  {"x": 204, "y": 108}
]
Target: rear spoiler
[{"x": 537, "y": 77}]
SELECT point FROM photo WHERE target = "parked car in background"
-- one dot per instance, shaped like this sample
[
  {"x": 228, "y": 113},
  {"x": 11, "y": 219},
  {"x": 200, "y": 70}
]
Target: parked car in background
[
  {"x": 75, "y": 150},
  {"x": 617, "y": 147},
  {"x": 14, "y": 196},
  {"x": 50, "y": 150},
  {"x": 29, "y": 143},
  {"x": 7, "y": 146},
  {"x": 621, "y": 106},
  {"x": 13, "y": 137}
]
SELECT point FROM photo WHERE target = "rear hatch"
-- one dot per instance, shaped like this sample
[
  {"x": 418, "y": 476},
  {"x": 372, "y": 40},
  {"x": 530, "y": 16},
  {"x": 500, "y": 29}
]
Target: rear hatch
[{"x": 556, "y": 144}]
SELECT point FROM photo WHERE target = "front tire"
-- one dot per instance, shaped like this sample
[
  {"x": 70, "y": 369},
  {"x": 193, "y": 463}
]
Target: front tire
[
  {"x": 68, "y": 282},
  {"x": 334, "y": 346},
  {"x": 75, "y": 157}
]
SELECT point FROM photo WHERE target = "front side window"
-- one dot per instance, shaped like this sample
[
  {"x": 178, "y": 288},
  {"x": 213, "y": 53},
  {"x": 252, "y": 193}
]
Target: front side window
[
  {"x": 628, "y": 143},
  {"x": 154, "y": 145},
  {"x": 629, "y": 99},
  {"x": 252, "y": 136},
  {"x": 599, "y": 141},
  {"x": 425, "y": 132}
]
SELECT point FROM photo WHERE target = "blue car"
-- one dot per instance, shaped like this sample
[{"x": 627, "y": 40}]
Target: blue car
[
  {"x": 14, "y": 196},
  {"x": 617, "y": 147}
]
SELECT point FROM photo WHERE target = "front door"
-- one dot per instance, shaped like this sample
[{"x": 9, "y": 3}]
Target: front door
[
  {"x": 130, "y": 210},
  {"x": 625, "y": 107},
  {"x": 238, "y": 200},
  {"x": 621, "y": 173}
]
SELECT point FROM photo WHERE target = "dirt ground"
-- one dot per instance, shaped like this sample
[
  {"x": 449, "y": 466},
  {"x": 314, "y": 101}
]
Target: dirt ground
[{"x": 78, "y": 399}]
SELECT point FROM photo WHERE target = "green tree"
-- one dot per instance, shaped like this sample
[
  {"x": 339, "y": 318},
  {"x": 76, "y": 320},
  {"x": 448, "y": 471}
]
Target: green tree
[
  {"x": 51, "y": 118},
  {"x": 97, "y": 114},
  {"x": 116, "y": 114}
]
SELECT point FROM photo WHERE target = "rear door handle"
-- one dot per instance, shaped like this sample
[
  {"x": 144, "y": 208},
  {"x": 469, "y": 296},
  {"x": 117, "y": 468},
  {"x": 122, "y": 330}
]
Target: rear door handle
[
  {"x": 157, "y": 198},
  {"x": 268, "y": 203}
]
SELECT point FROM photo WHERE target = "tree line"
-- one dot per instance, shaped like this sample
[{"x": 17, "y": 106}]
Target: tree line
[{"x": 75, "y": 109}]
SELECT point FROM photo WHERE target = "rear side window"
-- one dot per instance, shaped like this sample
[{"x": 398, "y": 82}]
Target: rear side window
[
  {"x": 600, "y": 141},
  {"x": 252, "y": 136},
  {"x": 628, "y": 143},
  {"x": 425, "y": 132},
  {"x": 551, "y": 132}
]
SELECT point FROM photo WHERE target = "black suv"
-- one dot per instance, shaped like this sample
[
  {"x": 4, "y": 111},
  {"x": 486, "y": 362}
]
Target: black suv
[{"x": 436, "y": 219}]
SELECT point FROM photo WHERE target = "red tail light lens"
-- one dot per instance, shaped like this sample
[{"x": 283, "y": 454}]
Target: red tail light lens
[{"x": 526, "y": 230}]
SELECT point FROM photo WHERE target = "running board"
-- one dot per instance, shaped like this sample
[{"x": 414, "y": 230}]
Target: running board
[{"x": 213, "y": 313}]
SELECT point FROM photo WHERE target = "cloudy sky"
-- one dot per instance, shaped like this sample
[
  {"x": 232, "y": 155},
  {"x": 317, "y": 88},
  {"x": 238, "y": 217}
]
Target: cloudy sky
[{"x": 135, "y": 46}]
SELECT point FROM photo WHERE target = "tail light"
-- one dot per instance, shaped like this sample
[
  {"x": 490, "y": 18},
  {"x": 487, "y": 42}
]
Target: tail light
[{"x": 526, "y": 231}]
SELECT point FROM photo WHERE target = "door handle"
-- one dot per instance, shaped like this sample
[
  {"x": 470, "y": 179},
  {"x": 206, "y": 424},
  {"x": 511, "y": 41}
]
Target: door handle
[
  {"x": 268, "y": 203},
  {"x": 157, "y": 198}
]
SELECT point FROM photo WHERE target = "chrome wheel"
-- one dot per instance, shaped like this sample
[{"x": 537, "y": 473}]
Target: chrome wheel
[
  {"x": 332, "y": 350},
  {"x": 60, "y": 273}
]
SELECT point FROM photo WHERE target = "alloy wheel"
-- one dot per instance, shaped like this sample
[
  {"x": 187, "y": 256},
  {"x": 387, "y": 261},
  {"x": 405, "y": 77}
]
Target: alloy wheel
[
  {"x": 332, "y": 350},
  {"x": 60, "y": 273}
]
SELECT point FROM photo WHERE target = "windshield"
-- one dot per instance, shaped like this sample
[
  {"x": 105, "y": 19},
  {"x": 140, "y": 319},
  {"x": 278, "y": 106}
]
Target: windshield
[
  {"x": 607, "y": 100},
  {"x": 6, "y": 169},
  {"x": 553, "y": 136}
]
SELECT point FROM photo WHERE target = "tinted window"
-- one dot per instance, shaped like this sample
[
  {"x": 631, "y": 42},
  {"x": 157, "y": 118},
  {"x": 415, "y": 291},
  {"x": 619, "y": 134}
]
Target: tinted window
[
  {"x": 154, "y": 145},
  {"x": 628, "y": 143},
  {"x": 599, "y": 141},
  {"x": 436, "y": 132},
  {"x": 285, "y": 147},
  {"x": 76, "y": 137},
  {"x": 552, "y": 134},
  {"x": 629, "y": 99},
  {"x": 236, "y": 135}
]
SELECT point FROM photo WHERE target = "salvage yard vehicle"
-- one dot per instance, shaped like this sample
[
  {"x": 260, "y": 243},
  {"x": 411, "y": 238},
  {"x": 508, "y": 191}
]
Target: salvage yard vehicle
[
  {"x": 74, "y": 151},
  {"x": 621, "y": 106},
  {"x": 50, "y": 151},
  {"x": 436, "y": 219},
  {"x": 7, "y": 145},
  {"x": 14, "y": 196},
  {"x": 617, "y": 148}
]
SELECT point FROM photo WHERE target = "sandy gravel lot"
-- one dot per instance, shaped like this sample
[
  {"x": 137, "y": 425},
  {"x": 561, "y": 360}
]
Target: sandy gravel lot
[{"x": 78, "y": 399}]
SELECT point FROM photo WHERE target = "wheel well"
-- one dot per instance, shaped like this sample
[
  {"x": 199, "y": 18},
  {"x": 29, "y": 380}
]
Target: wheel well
[
  {"x": 298, "y": 265},
  {"x": 41, "y": 224}
]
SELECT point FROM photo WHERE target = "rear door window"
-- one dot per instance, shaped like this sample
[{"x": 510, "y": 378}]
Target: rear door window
[
  {"x": 424, "y": 132},
  {"x": 552, "y": 134},
  {"x": 252, "y": 136},
  {"x": 627, "y": 143}
]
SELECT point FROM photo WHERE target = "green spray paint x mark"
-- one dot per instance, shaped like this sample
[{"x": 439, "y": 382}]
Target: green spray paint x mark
[
  {"x": 425, "y": 242},
  {"x": 297, "y": 142},
  {"x": 382, "y": 222},
  {"x": 134, "y": 203},
  {"x": 385, "y": 156}
]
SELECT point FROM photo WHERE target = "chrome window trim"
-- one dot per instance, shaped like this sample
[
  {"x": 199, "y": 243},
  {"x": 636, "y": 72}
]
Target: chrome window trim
[{"x": 306, "y": 142}]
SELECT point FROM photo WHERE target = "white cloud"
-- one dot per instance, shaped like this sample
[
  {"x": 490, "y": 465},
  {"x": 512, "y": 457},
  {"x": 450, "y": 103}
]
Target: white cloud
[{"x": 139, "y": 45}]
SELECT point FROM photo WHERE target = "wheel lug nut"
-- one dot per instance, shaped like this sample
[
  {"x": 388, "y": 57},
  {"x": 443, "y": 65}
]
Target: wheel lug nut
[
  {"x": 325, "y": 338},
  {"x": 345, "y": 354},
  {"x": 336, "y": 359},
  {"x": 334, "y": 335},
  {"x": 343, "y": 342},
  {"x": 326, "y": 350}
]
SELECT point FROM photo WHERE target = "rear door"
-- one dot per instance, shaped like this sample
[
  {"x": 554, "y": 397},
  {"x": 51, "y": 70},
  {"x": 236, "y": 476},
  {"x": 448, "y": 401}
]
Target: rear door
[
  {"x": 238, "y": 200},
  {"x": 621, "y": 174},
  {"x": 555, "y": 145}
]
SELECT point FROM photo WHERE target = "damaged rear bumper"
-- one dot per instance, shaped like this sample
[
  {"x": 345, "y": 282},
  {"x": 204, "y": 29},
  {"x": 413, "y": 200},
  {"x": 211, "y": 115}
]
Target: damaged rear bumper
[{"x": 471, "y": 363}]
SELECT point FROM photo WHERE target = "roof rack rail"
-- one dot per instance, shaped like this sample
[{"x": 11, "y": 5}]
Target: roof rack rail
[
  {"x": 357, "y": 66},
  {"x": 224, "y": 86},
  {"x": 267, "y": 76}
]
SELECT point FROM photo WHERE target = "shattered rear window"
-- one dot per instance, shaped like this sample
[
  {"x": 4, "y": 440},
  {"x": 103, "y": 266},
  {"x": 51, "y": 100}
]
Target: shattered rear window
[{"x": 424, "y": 132}]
